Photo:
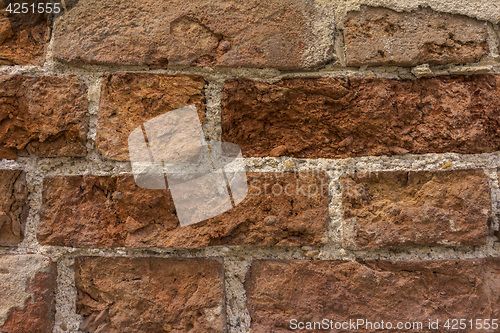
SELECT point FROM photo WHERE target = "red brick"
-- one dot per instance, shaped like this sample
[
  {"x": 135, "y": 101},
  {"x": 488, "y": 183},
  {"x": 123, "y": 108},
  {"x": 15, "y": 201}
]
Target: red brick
[
  {"x": 130, "y": 99},
  {"x": 13, "y": 206},
  {"x": 165, "y": 33},
  {"x": 380, "y": 36},
  {"x": 23, "y": 37},
  {"x": 150, "y": 295},
  {"x": 44, "y": 116},
  {"x": 407, "y": 208},
  {"x": 336, "y": 117},
  {"x": 27, "y": 287},
  {"x": 279, "y": 291},
  {"x": 111, "y": 211}
]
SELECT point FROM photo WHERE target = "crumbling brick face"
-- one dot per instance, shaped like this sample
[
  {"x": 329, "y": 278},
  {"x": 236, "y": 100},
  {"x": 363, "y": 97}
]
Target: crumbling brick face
[
  {"x": 339, "y": 118},
  {"x": 44, "y": 116},
  {"x": 410, "y": 208},
  {"x": 23, "y": 38},
  {"x": 14, "y": 206},
  {"x": 284, "y": 209},
  {"x": 150, "y": 294},
  {"x": 342, "y": 291},
  {"x": 380, "y": 36},
  {"x": 170, "y": 33}
]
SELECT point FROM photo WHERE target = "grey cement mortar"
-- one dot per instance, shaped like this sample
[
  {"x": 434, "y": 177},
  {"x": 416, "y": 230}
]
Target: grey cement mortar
[
  {"x": 66, "y": 318},
  {"x": 493, "y": 42},
  {"x": 322, "y": 25},
  {"x": 238, "y": 317},
  {"x": 335, "y": 225},
  {"x": 238, "y": 259},
  {"x": 212, "y": 126}
]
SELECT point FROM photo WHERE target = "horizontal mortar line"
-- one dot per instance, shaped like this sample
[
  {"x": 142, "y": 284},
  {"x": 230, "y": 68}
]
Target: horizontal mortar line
[
  {"x": 428, "y": 253},
  {"x": 408, "y": 162},
  {"x": 220, "y": 251},
  {"x": 249, "y": 252},
  {"x": 255, "y": 73},
  {"x": 98, "y": 70}
]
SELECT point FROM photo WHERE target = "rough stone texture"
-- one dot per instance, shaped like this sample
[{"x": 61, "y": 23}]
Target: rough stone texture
[
  {"x": 150, "y": 295},
  {"x": 13, "y": 206},
  {"x": 45, "y": 116},
  {"x": 379, "y": 36},
  {"x": 23, "y": 37},
  {"x": 130, "y": 99},
  {"x": 406, "y": 208},
  {"x": 110, "y": 211},
  {"x": 278, "y": 291},
  {"x": 27, "y": 286},
  {"x": 201, "y": 32},
  {"x": 333, "y": 117}
]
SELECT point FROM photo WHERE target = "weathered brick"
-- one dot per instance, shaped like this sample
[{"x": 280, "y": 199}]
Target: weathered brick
[
  {"x": 23, "y": 37},
  {"x": 380, "y": 36},
  {"x": 414, "y": 291},
  {"x": 408, "y": 208},
  {"x": 27, "y": 286},
  {"x": 130, "y": 99},
  {"x": 285, "y": 209},
  {"x": 13, "y": 206},
  {"x": 150, "y": 295},
  {"x": 334, "y": 117},
  {"x": 201, "y": 32},
  {"x": 45, "y": 116}
]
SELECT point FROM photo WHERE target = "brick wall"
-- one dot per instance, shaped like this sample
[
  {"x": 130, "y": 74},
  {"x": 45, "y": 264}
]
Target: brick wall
[{"x": 370, "y": 131}]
